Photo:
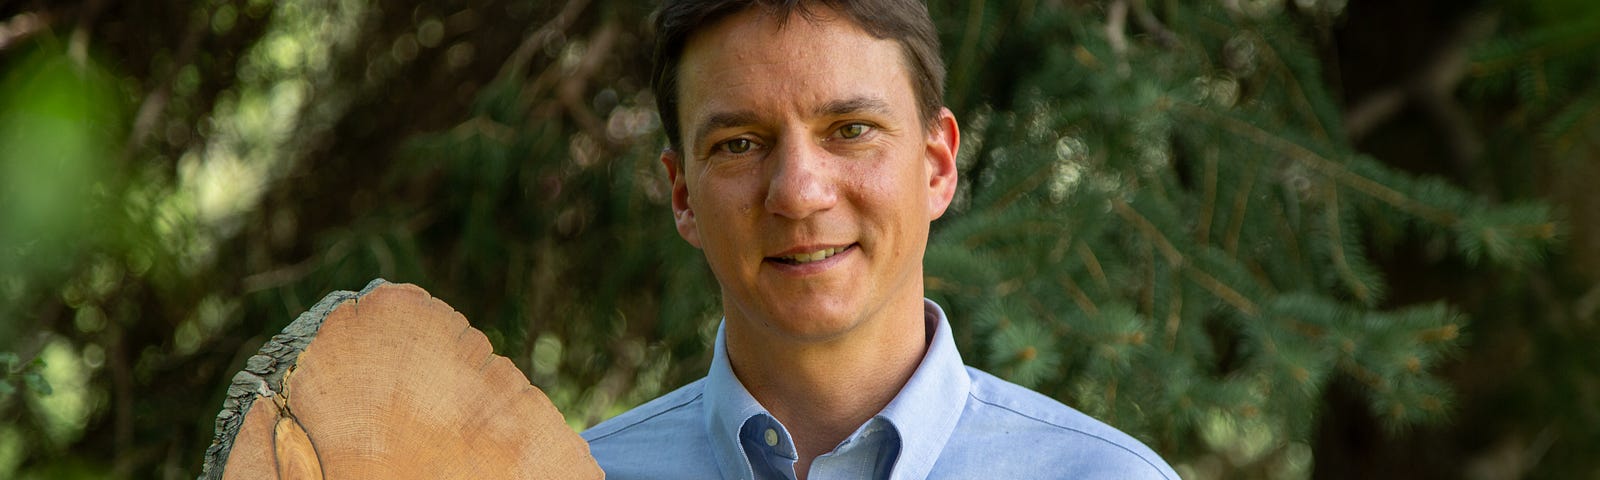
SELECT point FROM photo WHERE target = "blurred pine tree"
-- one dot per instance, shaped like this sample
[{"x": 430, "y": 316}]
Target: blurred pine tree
[
  {"x": 1167, "y": 219},
  {"x": 1166, "y": 200},
  {"x": 1162, "y": 222}
]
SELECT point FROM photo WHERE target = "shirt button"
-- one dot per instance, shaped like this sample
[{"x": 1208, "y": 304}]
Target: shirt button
[{"x": 772, "y": 438}]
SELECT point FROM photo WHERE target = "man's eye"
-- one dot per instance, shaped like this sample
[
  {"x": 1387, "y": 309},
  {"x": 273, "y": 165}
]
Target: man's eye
[
  {"x": 853, "y": 130},
  {"x": 736, "y": 146}
]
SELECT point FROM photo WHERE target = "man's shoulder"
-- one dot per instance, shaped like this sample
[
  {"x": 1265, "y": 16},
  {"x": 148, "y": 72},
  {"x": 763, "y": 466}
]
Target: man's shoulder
[
  {"x": 664, "y": 438},
  {"x": 1050, "y": 436},
  {"x": 672, "y": 414},
  {"x": 1010, "y": 404}
]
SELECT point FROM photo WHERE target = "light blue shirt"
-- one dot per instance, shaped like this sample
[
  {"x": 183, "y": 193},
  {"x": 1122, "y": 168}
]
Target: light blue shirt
[{"x": 949, "y": 421}]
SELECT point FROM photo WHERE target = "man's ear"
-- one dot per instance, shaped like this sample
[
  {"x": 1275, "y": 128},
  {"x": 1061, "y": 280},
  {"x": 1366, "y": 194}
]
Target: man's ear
[
  {"x": 682, "y": 213},
  {"x": 944, "y": 141}
]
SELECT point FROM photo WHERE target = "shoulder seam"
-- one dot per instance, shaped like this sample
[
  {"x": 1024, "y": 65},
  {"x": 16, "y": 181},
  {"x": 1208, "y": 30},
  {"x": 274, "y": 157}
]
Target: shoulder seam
[
  {"x": 1141, "y": 458},
  {"x": 663, "y": 411}
]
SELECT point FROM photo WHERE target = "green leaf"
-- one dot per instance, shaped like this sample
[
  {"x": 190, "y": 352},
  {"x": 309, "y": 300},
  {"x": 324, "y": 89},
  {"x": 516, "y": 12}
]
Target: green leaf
[{"x": 37, "y": 383}]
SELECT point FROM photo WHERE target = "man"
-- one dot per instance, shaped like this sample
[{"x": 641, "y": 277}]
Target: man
[{"x": 809, "y": 152}]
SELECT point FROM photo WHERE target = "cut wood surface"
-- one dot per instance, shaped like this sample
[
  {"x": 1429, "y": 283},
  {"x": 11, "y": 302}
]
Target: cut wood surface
[{"x": 389, "y": 383}]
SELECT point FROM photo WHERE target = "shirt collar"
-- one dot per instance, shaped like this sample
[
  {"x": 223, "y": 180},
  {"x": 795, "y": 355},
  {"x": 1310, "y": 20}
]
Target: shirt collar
[
  {"x": 924, "y": 413},
  {"x": 927, "y": 408},
  {"x": 728, "y": 406}
]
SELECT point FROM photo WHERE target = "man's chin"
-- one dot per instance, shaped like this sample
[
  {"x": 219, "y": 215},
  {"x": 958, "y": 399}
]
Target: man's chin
[
  {"x": 808, "y": 326},
  {"x": 814, "y": 333}
]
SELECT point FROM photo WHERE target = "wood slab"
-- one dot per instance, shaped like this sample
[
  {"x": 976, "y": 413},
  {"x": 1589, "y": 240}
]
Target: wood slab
[{"x": 388, "y": 383}]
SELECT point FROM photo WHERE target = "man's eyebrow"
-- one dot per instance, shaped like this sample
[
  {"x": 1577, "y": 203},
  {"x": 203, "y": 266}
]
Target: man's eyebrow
[
  {"x": 721, "y": 120},
  {"x": 836, "y": 108},
  {"x": 853, "y": 105}
]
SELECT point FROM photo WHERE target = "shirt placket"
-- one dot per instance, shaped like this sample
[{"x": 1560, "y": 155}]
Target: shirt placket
[
  {"x": 868, "y": 454},
  {"x": 768, "y": 448}
]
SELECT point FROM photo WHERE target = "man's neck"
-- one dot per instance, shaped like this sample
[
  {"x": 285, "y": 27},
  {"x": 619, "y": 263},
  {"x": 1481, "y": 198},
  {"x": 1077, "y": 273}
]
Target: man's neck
[{"x": 822, "y": 392}]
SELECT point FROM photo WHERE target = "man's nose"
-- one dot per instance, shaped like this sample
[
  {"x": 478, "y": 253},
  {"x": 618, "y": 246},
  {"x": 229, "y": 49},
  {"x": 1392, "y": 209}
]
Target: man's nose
[{"x": 801, "y": 181}]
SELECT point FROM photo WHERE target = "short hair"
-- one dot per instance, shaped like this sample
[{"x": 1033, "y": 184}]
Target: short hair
[{"x": 904, "y": 21}]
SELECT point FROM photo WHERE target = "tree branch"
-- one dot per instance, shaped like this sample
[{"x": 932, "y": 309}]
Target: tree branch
[
  {"x": 1174, "y": 313},
  {"x": 78, "y": 46},
  {"x": 1078, "y": 296},
  {"x": 1322, "y": 165},
  {"x": 155, "y": 102},
  {"x": 1432, "y": 88},
  {"x": 535, "y": 41},
  {"x": 1093, "y": 262},
  {"x": 572, "y": 88},
  {"x": 1360, "y": 290},
  {"x": 1208, "y": 199},
  {"x": 1149, "y": 22},
  {"x": 969, "y": 50},
  {"x": 1296, "y": 93},
  {"x": 122, "y": 384},
  {"x": 1176, "y": 258},
  {"x": 1241, "y": 200},
  {"x": 1116, "y": 22},
  {"x": 22, "y": 26}
]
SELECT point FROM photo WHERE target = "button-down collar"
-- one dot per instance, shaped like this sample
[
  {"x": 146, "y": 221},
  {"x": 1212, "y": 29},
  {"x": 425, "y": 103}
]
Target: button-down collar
[{"x": 915, "y": 424}]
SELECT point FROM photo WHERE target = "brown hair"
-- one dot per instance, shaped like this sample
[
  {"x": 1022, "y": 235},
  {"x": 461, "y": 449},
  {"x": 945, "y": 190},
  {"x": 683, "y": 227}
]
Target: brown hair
[{"x": 904, "y": 21}]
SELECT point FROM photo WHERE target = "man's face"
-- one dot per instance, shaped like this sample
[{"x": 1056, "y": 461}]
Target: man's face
[{"x": 807, "y": 175}]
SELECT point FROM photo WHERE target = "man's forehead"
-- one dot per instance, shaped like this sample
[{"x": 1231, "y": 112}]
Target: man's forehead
[{"x": 774, "y": 19}]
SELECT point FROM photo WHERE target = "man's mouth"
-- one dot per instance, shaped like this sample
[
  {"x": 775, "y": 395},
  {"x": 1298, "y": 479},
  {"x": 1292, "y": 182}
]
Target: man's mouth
[{"x": 808, "y": 257}]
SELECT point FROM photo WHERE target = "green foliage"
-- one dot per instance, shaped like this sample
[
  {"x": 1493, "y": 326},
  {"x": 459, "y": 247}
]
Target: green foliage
[
  {"x": 1543, "y": 63},
  {"x": 58, "y": 121},
  {"x": 586, "y": 218},
  {"x": 1161, "y": 218},
  {"x": 1165, "y": 231},
  {"x": 12, "y": 368}
]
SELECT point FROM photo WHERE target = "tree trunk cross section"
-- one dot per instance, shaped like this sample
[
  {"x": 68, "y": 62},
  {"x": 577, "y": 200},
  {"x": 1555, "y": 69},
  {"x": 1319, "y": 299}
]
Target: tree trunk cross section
[{"x": 388, "y": 383}]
